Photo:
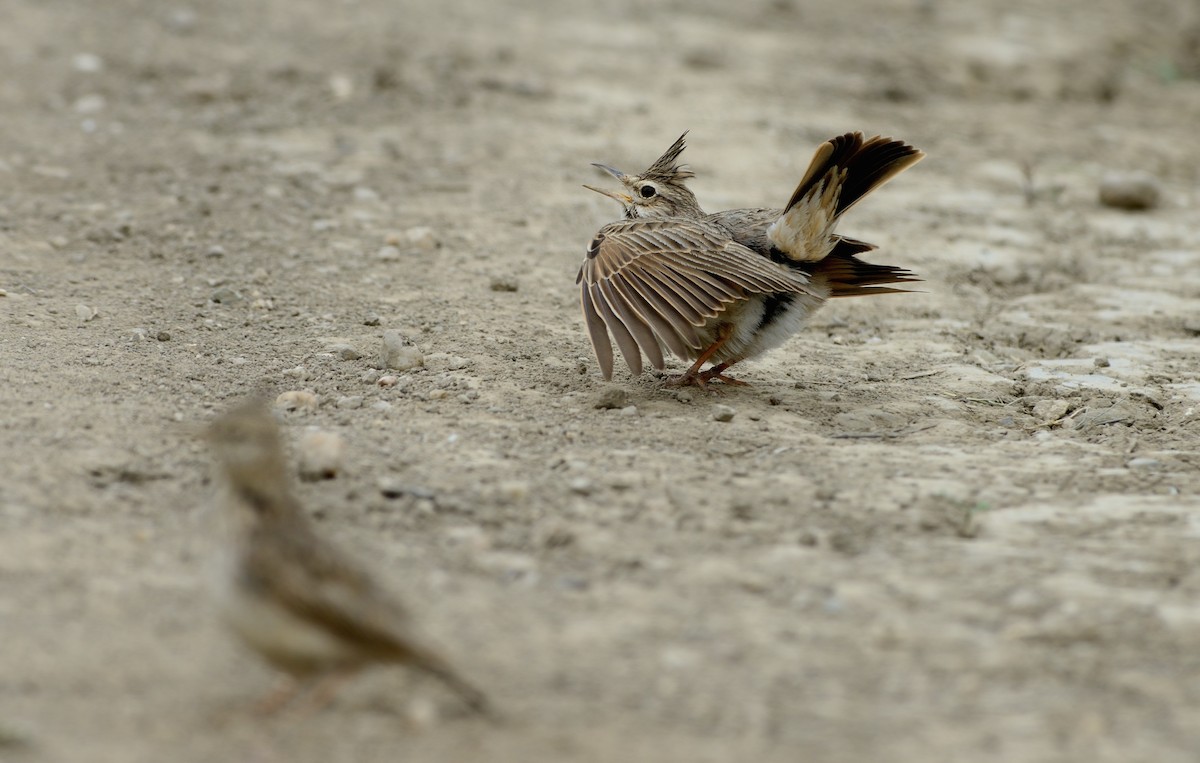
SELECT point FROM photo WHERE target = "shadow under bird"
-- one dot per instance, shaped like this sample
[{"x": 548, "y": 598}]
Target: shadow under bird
[
  {"x": 728, "y": 286},
  {"x": 288, "y": 594}
]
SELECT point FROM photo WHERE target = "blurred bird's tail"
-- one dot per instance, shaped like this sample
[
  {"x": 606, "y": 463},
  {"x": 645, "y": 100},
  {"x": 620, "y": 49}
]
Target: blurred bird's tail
[{"x": 436, "y": 665}]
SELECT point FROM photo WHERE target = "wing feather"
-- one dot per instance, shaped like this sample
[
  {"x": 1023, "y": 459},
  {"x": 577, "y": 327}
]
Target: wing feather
[
  {"x": 625, "y": 341},
  {"x": 601, "y": 346},
  {"x": 638, "y": 328},
  {"x": 652, "y": 283},
  {"x": 659, "y": 323}
]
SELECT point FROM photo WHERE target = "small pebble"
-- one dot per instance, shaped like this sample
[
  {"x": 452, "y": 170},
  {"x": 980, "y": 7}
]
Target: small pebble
[
  {"x": 1146, "y": 398},
  {"x": 421, "y": 714},
  {"x": 86, "y": 313},
  {"x": 722, "y": 413},
  {"x": 297, "y": 400},
  {"x": 181, "y": 21},
  {"x": 343, "y": 351},
  {"x": 611, "y": 398},
  {"x": 1101, "y": 362},
  {"x": 507, "y": 564},
  {"x": 391, "y": 487},
  {"x": 1051, "y": 409},
  {"x": 342, "y": 87},
  {"x": 684, "y": 396},
  {"x": 88, "y": 63},
  {"x": 470, "y": 537},
  {"x": 90, "y": 104},
  {"x": 1113, "y": 414},
  {"x": 216, "y": 250},
  {"x": 320, "y": 455},
  {"x": 387, "y": 381},
  {"x": 580, "y": 486},
  {"x": 504, "y": 284},
  {"x": 398, "y": 354},
  {"x": 139, "y": 335},
  {"x": 629, "y": 410},
  {"x": 421, "y": 238},
  {"x": 372, "y": 320},
  {"x": 369, "y": 376},
  {"x": 1133, "y": 191},
  {"x": 512, "y": 491},
  {"x": 350, "y": 402},
  {"x": 440, "y": 361},
  {"x": 1144, "y": 463},
  {"x": 225, "y": 296},
  {"x": 163, "y": 336}
]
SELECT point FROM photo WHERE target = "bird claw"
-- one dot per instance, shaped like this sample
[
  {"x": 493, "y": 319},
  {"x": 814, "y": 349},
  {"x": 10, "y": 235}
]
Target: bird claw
[
  {"x": 711, "y": 376},
  {"x": 704, "y": 379}
]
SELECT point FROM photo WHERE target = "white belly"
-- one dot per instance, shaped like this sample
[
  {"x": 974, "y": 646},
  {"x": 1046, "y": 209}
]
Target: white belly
[{"x": 748, "y": 340}]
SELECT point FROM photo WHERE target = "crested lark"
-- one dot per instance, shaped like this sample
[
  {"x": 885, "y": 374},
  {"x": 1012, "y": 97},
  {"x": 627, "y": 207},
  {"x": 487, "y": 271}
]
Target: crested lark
[
  {"x": 728, "y": 286},
  {"x": 289, "y": 595}
]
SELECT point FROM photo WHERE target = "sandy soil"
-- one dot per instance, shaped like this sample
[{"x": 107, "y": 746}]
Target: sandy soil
[{"x": 954, "y": 525}]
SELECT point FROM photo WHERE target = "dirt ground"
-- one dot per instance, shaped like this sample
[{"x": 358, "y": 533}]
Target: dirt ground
[{"x": 954, "y": 525}]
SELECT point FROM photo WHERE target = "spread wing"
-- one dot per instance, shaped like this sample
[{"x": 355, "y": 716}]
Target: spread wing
[{"x": 654, "y": 282}]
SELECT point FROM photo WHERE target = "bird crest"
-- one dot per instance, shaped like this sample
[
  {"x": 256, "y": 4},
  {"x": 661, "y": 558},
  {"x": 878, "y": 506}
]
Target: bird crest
[{"x": 665, "y": 169}]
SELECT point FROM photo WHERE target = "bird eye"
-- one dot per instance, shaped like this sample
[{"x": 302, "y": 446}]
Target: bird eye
[{"x": 647, "y": 191}]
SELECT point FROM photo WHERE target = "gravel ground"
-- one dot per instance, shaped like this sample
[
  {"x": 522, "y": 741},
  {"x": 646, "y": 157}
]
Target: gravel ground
[{"x": 954, "y": 525}]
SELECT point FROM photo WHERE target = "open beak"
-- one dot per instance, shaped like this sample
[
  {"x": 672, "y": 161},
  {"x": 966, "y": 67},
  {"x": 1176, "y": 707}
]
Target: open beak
[
  {"x": 612, "y": 171},
  {"x": 622, "y": 198}
]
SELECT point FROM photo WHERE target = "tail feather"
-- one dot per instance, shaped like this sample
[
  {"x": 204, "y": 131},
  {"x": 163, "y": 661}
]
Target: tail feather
[
  {"x": 848, "y": 276},
  {"x": 868, "y": 165},
  {"x": 878, "y": 161},
  {"x": 843, "y": 170},
  {"x": 848, "y": 246},
  {"x": 835, "y": 152},
  {"x": 436, "y": 665}
]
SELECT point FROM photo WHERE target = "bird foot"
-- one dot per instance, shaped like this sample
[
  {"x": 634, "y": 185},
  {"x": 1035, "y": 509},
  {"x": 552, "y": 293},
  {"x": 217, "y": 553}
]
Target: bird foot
[
  {"x": 280, "y": 697},
  {"x": 713, "y": 374},
  {"x": 703, "y": 379}
]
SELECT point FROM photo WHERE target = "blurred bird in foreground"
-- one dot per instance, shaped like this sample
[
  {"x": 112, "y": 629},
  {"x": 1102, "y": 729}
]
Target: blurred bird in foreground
[
  {"x": 728, "y": 286},
  {"x": 289, "y": 595}
]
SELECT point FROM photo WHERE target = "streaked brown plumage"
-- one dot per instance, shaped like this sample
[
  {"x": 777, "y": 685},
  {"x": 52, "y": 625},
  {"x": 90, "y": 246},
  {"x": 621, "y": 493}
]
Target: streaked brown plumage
[
  {"x": 293, "y": 598},
  {"x": 728, "y": 286}
]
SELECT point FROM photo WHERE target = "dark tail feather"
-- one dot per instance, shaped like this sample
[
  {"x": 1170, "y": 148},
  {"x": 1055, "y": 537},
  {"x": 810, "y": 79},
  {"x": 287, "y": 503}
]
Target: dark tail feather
[
  {"x": 878, "y": 161},
  {"x": 849, "y": 246},
  {"x": 849, "y": 276},
  {"x": 868, "y": 164}
]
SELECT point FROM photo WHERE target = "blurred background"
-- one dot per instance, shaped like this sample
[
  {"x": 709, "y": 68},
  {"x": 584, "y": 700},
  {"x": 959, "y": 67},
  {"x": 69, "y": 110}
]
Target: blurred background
[{"x": 199, "y": 199}]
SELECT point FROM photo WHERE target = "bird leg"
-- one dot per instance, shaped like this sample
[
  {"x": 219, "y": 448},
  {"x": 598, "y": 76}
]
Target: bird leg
[
  {"x": 278, "y": 698},
  {"x": 717, "y": 373},
  {"x": 325, "y": 689},
  {"x": 693, "y": 377}
]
